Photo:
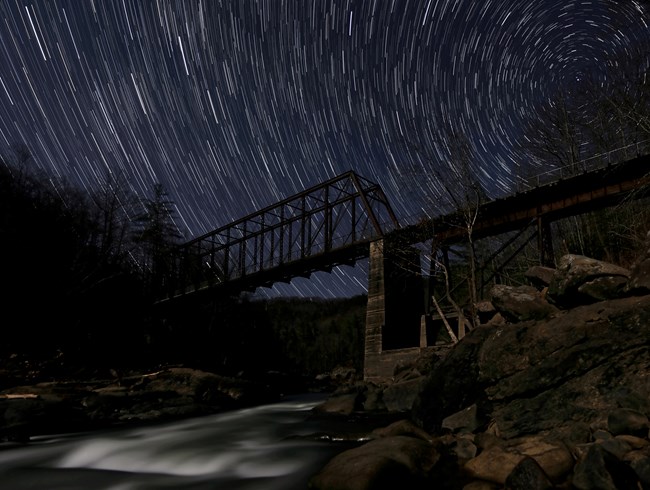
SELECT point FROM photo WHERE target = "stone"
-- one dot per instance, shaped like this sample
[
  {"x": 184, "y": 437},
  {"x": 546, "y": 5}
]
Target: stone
[
  {"x": 485, "y": 311},
  {"x": 338, "y": 405},
  {"x": 402, "y": 428},
  {"x": 464, "y": 449},
  {"x": 453, "y": 383},
  {"x": 465, "y": 420},
  {"x": 485, "y": 440},
  {"x": 627, "y": 421},
  {"x": 633, "y": 441},
  {"x": 599, "y": 469},
  {"x": 372, "y": 400},
  {"x": 574, "y": 271},
  {"x": 520, "y": 303},
  {"x": 601, "y": 434},
  {"x": 481, "y": 485},
  {"x": 540, "y": 276},
  {"x": 528, "y": 475},
  {"x": 639, "y": 461},
  {"x": 590, "y": 472},
  {"x": 389, "y": 462},
  {"x": 603, "y": 288},
  {"x": 399, "y": 397},
  {"x": 493, "y": 464},
  {"x": 554, "y": 458},
  {"x": 616, "y": 447}
]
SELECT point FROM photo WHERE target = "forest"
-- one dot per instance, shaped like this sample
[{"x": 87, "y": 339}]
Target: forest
[{"x": 76, "y": 285}]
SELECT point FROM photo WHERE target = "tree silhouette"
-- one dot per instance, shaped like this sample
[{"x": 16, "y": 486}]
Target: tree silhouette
[{"x": 156, "y": 234}]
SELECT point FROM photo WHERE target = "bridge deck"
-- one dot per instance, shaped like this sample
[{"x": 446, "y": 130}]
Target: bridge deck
[
  {"x": 298, "y": 236},
  {"x": 570, "y": 196}
]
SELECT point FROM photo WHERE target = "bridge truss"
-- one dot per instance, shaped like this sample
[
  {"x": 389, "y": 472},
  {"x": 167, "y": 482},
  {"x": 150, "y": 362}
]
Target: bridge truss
[{"x": 324, "y": 226}]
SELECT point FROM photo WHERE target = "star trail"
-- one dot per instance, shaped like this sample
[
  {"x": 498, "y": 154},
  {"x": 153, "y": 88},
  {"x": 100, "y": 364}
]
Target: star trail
[{"x": 234, "y": 105}]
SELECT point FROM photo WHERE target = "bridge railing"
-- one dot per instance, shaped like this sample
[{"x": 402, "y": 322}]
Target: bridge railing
[{"x": 595, "y": 162}]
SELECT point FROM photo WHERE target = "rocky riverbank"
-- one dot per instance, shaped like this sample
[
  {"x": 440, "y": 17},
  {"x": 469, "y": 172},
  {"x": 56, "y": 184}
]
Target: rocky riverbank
[
  {"x": 145, "y": 397},
  {"x": 553, "y": 391}
]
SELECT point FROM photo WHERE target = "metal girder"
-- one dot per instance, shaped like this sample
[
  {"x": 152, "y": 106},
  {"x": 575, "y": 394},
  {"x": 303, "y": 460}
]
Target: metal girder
[{"x": 338, "y": 216}]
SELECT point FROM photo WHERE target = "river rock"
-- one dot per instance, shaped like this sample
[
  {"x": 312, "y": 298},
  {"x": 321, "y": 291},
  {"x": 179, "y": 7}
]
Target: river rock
[
  {"x": 639, "y": 461},
  {"x": 540, "y": 276},
  {"x": 528, "y": 475},
  {"x": 399, "y": 397},
  {"x": 627, "y": 421},
  {"x": 553, "y": 457},
  {"x": 465, "y": 420},
  {"x": 600, "y": 469},
  {"x": 522, "y": 374},
  {"x": 520, "y": 303},
  {"x": 402, "y": 428},
  {"x": 389, "y": 462},
  {"x": 582, "y": 280},
  {"x": 493, "y": 464},
  {"x": 344, "y": 404},
  {"x": 556, "y": 401}
]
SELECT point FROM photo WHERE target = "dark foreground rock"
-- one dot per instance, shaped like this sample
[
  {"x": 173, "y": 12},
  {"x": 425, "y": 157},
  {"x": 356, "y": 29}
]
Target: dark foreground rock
[{"x": 552, "y": 393}]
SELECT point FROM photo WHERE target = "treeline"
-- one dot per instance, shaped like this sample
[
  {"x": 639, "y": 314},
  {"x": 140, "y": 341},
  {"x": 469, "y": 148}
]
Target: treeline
[
  {"x": 72, "y": 265},
  {"x": 296, "y": 336},
  {"x": 79, "y": 271}
]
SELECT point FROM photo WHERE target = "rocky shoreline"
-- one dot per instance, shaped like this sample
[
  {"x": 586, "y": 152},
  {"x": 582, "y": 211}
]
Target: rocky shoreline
[
  {"x": 552, "y": 392},
  {"x": 135, "y": 398}
]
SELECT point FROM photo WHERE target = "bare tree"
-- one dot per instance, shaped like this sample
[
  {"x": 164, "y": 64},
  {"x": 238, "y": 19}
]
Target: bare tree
[
  {"x": 555, "y": 139},
  {"x": 156, "y": 234},
  {"x": 459, "y": 196},
  {"x": 115, "y": 206}
]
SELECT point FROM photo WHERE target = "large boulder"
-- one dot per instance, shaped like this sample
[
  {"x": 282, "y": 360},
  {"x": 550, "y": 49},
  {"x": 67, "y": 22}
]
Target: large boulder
[
  {"x": 540, "y": 276},
  {"x": 582, "y": 280},
  {"x": 387, "y": 462},
  {"x": 529, "y": 377},
  {"x": 520, "y": 303}
]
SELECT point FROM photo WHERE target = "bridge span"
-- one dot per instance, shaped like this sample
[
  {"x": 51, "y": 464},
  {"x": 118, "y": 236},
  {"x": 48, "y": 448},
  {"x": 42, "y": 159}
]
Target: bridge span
[
  {"x": 348, "y": 218},
  {"x": 325, "y": 226}
]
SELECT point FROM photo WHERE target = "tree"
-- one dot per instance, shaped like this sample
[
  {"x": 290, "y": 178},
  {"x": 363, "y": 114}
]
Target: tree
[
  {"x": 113, "y": 208},
  {"x": 156, "y": 234},
  {"x": 459, "y": 195},
  {"x": 555, "y": 139},
  {"x": 603, "y": 120}
]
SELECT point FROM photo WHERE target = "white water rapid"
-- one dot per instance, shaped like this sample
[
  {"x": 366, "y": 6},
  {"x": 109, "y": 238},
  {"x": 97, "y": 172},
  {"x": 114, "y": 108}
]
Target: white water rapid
[{"x": 257, "y": 448}]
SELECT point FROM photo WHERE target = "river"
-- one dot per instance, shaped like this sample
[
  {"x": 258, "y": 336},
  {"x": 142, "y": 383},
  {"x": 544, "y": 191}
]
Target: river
[{"x": 266, "y": 447}]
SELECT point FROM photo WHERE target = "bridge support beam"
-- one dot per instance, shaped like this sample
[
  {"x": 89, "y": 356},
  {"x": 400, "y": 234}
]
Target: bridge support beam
[
  {"x": 545, "y": 242},
  {"x": 394, "y": 311},
  {"x": 375, "y": 311}
]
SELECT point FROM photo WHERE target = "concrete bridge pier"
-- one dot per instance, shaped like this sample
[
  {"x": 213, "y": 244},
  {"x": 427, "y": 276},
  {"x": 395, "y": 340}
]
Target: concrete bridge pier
[{"x": 394, "y": 330}]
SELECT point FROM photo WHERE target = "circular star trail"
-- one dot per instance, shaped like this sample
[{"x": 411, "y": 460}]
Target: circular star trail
[{"x": 233, "y": 105}]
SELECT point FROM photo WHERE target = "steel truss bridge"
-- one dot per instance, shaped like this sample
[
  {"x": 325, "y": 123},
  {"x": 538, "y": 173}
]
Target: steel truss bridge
[
  {"x": 333, "y": 223},
  {"x": 325, "y": 226}
]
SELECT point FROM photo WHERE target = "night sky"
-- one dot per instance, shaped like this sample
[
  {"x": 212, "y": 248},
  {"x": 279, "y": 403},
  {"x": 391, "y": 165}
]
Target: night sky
[{"x": 234, "y": 105}]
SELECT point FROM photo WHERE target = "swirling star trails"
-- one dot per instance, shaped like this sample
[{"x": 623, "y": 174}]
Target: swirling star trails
[{"x": 235, "y": 105}]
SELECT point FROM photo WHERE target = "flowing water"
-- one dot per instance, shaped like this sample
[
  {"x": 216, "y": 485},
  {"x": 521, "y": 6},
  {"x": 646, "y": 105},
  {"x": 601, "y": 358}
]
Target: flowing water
[{"x": 266, "y": 447}]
